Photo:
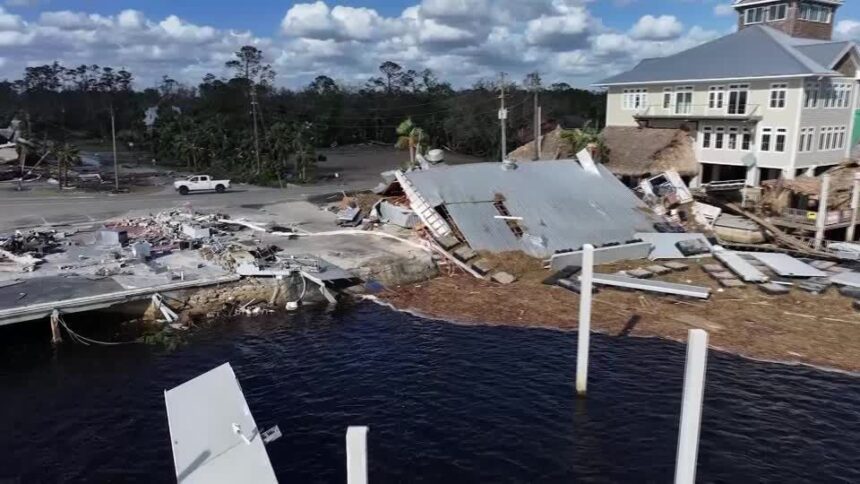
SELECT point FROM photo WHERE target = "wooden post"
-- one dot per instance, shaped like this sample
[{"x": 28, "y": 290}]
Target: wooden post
[
  {"x": 356, "y": 455},
  {"x": 821, "y": 221},
  {"x": 56, "y": 336},
  {"x": 584, "y": 329},
  {"x": 855, "y": 208},
  {"x": 691, "y": 407}
]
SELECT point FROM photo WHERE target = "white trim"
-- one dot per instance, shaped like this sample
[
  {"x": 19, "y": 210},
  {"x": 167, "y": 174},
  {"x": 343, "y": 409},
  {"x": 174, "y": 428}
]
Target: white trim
[{"x": 721, "y": 79}]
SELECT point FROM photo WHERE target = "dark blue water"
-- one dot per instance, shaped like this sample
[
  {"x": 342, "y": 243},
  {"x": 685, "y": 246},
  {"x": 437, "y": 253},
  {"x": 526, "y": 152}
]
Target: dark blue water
[{"x": 445, "y": 403}]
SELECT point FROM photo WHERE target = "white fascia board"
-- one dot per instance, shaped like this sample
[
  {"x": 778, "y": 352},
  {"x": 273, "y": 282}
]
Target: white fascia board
[{"x": 723, "y": 79}]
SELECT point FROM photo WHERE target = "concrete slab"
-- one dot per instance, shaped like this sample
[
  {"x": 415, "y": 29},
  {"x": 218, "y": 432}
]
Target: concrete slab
[
  {"x": 640, "y": 274},
  {"x": 786, "y": 265},
  {"x": 464, "y": 253},
  {"x": 722, "y": 275},
  {"x": 503, "y": 278},
  {"x": 676, "y": 266},
  {"x": 54, "y": 288},
  {"x": 731, "y": 283},
  {"x": 774, "y": 289},
  {"x": 713, "y": 268},
  {"x": 658, "y": 270},
  {"x": 665, "y": 244}
]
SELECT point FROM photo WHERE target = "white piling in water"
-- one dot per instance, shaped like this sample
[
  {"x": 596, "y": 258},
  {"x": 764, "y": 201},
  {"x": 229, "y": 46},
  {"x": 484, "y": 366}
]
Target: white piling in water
[
  {"x": 356, "y": 455},
  {"x": 821, "y": 217},
  {"x": 691, "y": 409},
  {"x": 584, "y": 331}
]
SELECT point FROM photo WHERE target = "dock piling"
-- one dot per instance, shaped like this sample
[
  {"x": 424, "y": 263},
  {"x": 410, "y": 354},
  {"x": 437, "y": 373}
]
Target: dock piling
[
  {"x": 356, "y": 455},
  {"x": 821, "y": 218},
  {"x": 691, "y": 409},
  {"x": 584, "y": 327},
  {"x": 56, "y": 336}
]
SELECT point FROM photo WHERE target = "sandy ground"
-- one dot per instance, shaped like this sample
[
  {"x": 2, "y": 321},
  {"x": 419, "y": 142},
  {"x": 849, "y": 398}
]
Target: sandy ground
[{"x": 821, "y": 330}]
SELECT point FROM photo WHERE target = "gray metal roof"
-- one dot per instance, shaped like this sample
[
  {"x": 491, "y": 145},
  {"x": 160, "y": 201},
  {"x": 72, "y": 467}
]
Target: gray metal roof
[
  {"x": 561, "y": 204},
  {"x": 827, "y": 54},
  {"x": 757, "y": 51},
  {"x": 201, "y": 413}
]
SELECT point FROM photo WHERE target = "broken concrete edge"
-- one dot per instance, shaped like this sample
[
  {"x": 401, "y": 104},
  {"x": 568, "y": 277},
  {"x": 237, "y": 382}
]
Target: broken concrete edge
[{"x": 101, "y": 301}]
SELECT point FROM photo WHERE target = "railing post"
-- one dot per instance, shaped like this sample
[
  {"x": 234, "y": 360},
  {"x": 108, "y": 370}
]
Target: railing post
[
  {"x": 821, "y": 221},
  {"x": 584, "y": 327},
  {"x": 855, "y": 209},
  {"x": 356, "y": 455},
  {"x": 691, "y": 407}
]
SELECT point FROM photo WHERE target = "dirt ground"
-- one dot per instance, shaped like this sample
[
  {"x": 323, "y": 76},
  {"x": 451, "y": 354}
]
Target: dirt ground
[{"x": 821, "y": 330}]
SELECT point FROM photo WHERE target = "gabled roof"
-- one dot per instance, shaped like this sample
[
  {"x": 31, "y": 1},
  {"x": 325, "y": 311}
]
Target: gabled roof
[
  {"x": 827, "y": 54},
  {"x": 754, "y": 52}
]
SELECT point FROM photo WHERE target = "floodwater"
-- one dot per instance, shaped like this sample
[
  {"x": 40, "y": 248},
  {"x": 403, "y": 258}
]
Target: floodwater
[{"x": 444, "y": 402}]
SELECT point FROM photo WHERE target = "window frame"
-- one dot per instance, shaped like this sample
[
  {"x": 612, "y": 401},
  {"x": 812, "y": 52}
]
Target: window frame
[
  {"x": 717, "y": 98},
  {"x": 766, "y": 140},
  {"x": 720, "y": 138},
  {"x": 780, "y": 140},
  {"x": 778, "y": 98},
  {"x": 746, "y": 140},
  {"x": 707, "y": 137}
]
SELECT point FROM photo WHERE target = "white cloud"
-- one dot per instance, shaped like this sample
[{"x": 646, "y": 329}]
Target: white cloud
[
  {"x": 463, "y": 40},
  {"x": 724, "y": 10},
  {"x": 848, "y": 29},
  {"x": 657, "y": 28}
]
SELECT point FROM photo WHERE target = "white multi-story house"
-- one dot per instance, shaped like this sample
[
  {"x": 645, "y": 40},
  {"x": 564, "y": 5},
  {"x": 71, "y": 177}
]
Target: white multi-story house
[{"x": 776, "y": 98}]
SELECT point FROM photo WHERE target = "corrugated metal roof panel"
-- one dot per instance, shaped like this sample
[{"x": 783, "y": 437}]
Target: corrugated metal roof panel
[{"x": 558, "y": 201}]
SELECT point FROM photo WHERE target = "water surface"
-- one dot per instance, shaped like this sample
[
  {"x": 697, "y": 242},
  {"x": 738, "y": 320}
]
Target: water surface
[{"x": 445, "y": 403}]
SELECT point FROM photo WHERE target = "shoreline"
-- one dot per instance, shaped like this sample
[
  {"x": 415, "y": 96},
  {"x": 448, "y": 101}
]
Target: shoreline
[
  {"x": 742, "y": 322},
  {"x": 430, "y": 317}
]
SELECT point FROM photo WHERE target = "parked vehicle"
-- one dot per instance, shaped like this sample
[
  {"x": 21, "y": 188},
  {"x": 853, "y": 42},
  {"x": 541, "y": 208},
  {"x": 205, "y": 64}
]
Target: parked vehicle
[{"x": 197, "y": 183}]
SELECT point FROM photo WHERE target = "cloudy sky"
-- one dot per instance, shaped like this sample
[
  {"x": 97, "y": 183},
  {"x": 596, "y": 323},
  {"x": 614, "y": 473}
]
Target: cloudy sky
[{"x": 575, "y": 41}]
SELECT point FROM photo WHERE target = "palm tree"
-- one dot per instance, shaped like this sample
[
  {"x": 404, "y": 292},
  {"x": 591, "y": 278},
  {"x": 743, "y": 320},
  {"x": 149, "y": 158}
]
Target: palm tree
[
  {"x": 67, "y": 155},
  {"x": 580, "y": 139},
  {"x": 410, "y": 136}
]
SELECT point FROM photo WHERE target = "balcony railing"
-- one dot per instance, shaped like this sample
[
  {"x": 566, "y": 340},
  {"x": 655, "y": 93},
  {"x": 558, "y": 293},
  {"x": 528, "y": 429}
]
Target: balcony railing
[
  {"x": 809, "y": 217},
  {"x": 698, "y": 111}
]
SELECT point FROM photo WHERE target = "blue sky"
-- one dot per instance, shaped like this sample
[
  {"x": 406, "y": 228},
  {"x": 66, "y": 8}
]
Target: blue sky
[{"x": 576, "y": 41}]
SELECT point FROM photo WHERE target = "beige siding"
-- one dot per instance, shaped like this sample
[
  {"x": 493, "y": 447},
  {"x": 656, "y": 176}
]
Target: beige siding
[{"x": 821, "y": 117}]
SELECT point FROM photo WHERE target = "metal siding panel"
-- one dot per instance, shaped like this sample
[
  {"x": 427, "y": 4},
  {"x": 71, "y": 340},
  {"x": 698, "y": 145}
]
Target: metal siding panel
[
  {"x": 786, "y": 265},
  {"x": 482, "y": 231}
]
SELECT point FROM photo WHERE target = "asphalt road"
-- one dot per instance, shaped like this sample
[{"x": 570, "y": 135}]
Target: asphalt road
[{"x": 40, "y": 207}]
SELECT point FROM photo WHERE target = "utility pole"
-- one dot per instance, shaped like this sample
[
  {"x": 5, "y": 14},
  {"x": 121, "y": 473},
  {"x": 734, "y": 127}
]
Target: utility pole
[
  {"x": 503, "y": 116},
  {"x": 113, "y": 136},
  {"x": 254, "y": 116},
  {"x": 537, "y": 123}
]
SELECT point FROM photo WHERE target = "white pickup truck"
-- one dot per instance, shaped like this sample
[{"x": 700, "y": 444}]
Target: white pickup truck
[{"x": 196, "y": 183}]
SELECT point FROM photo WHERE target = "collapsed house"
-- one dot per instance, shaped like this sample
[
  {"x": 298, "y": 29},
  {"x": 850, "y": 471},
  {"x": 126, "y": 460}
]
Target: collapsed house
[
  {"x": 634, "y": 153},
  {"x": 536, "y": 208}
]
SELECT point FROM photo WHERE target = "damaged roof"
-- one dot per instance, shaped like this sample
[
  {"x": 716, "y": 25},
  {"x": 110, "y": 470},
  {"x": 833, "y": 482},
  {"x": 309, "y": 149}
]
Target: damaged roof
[{"x": 562, "y": 205}]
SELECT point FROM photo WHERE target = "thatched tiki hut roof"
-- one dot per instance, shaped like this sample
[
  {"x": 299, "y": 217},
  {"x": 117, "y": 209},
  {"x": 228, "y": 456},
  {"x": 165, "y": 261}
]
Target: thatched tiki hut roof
[
  {"x": 640, "y": 152},
  {"x": 552, "y": 147}
]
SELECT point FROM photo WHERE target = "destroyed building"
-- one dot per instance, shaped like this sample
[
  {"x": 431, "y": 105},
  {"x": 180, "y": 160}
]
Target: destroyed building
[{"x": 537, "y": 208}]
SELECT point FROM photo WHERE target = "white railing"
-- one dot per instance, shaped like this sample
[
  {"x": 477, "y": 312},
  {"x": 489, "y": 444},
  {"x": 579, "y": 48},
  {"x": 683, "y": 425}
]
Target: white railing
[
  {"x": 697, "y": 111},
  {"x": 809, "y": 217}
]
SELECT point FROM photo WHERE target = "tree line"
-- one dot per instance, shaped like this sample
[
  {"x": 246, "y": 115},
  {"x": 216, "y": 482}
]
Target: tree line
[{"x": 244, "y": 126}]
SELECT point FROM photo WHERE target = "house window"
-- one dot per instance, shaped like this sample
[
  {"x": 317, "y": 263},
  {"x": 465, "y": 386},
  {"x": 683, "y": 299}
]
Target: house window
[
  {"x": 777, "y": 12},
  {"x": 807, "y": 135},
  {"x": 841, "y": 143},
  {"x": 738, "y": 95},
  {"x": 746, "y": 140},
  {"x": 810, "y": 95},
  {"x": 716, "y": 97},
  {"x": 635, "y": 99},
  {"x": 780, "y": 140},
  {"x": 667, "y": 98},
  {"x": 707, "y": 133},
  {"x": 766, "y": 135},
  {"x": 755, "y": 15},
  {"x": 718, "y": 141},
  {"x": 684, "y": 100},
  {"x": 777, "y": 95},
  {"x": 822, "y": 137},
  {"x": 733, "y": 139},
  {"x": 815, "y": 13},
  {"x": 841, "y": 95}
]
